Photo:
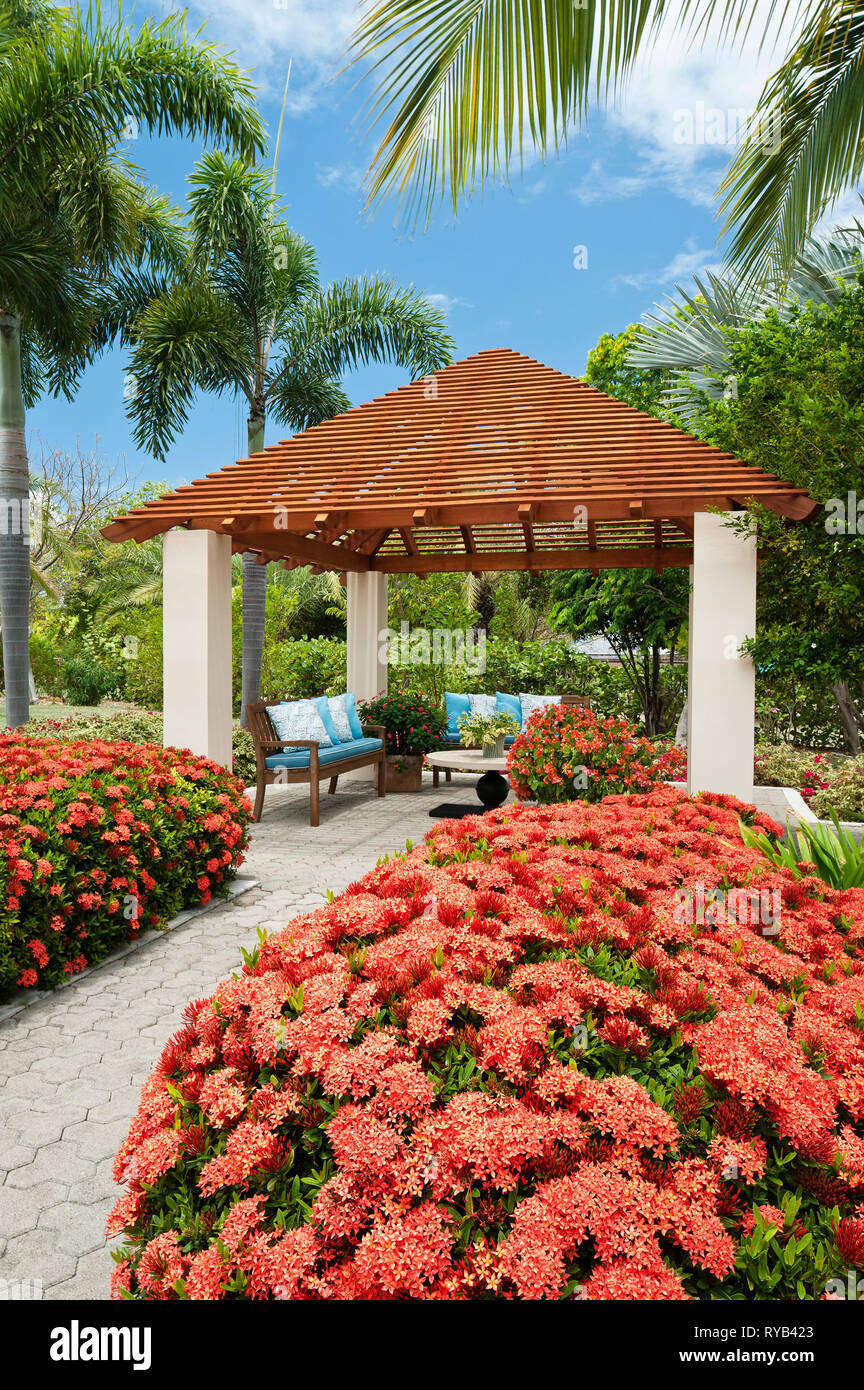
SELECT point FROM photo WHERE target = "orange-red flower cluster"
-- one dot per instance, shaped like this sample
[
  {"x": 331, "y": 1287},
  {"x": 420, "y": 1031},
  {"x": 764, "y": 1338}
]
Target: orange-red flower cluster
[
  {"x": 99, "y": 839},
  {"x": 501, "y": 1067}
]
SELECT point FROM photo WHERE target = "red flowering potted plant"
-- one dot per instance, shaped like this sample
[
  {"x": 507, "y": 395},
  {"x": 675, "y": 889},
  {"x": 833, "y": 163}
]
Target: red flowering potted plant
[
  {"x": 413, "y": 728},
  {"x": 566, "y": 754}
]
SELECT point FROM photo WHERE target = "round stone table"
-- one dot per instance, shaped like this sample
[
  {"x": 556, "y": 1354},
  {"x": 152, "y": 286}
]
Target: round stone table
[{"x": 492, "y": 786}]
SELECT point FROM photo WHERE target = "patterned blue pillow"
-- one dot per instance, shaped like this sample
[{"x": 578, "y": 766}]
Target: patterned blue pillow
[
  {"x": 531, "y": 703},
  {"x": 298, "y": 719},
  {"x": 339, "y": 715}
]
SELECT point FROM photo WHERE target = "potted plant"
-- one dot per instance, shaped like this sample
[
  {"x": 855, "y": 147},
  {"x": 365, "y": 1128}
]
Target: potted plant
[
  {"x": 413, "y": 728},
  {"x": 487, "y": 732}
]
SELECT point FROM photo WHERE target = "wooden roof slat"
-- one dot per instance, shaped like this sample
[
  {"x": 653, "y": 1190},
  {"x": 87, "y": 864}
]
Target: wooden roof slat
[{"x": 504, "y": 442}]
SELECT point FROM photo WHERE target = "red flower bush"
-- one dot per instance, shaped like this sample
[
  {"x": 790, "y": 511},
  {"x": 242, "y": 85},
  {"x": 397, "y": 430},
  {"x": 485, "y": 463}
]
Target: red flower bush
[
  {"x": 99, "y": 839},
  {"x": 501, "y": 1067},
  {"x": 565, "y": 753}
]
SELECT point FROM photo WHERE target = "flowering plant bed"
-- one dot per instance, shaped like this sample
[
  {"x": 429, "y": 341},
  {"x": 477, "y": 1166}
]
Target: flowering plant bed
[
  {"x": 413, "y": 726},
  {"x": 98, "y": 840},
  {"x": 565, "y": 753},
  {"x": 511, "y": 1064}
]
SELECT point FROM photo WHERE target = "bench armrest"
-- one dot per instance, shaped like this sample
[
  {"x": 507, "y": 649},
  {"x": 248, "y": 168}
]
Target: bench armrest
[
  {"x": 375, "y": 731},
  {"x": 289, "y": 743}
]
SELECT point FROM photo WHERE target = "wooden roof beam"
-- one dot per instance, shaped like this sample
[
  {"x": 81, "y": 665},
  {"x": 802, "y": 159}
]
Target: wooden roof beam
[{"x": 633, "y": 557}]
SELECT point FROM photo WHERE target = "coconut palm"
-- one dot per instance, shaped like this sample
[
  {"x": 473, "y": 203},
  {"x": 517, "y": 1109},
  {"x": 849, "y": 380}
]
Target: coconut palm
[
  {"x": 464, "y": 88},
  {"x": 73, "y": 214},
  {"x": 694, "y": 337},
  {"x": 246, "y": 314}
]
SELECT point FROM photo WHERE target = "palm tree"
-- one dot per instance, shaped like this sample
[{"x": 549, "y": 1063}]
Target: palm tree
[
  {"x": 694, "y": 338},
  {"x": 466, "y": 86},
  {"x": 73, "y": 214},
  {"x": 245, "y": 314}
]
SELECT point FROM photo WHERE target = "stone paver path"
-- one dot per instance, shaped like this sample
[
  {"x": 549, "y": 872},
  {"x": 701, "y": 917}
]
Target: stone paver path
[{"x": 72, "y": 1065}]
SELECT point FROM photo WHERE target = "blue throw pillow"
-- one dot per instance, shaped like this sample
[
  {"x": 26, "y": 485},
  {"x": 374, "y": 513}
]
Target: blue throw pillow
[
  {"x": 509, "y": 704},
  {"x": 327, "y": 718},
  {"x": 456, "y": 706},
  {"x": 298, "y": 719},
  {"x": 353, "y": 717}
]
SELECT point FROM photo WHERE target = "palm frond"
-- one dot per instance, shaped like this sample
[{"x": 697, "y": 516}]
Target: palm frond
[
  {"x": 360, "y": 321},
  {"x": 465, "y": 87},
  {"x": 187, "y": 340},
  {"x": 693, "y": 336},
  {"x": 805, "y": 144}
]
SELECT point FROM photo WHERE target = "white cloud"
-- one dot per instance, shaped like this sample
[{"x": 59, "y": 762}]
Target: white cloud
[
  {"x": 268, "y": 34},
  {"x": 682, "y": 114},
  {"x": 691, "y": 260},
  {"x": 446, "y": 302},
  {"x": 347, "y": 178}
]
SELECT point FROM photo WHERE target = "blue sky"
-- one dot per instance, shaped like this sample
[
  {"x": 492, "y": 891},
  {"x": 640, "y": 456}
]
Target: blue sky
[{"x": 627, "y": 189}]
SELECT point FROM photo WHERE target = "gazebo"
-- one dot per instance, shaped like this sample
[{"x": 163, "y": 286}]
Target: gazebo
[{"x": 494, "y": 463}]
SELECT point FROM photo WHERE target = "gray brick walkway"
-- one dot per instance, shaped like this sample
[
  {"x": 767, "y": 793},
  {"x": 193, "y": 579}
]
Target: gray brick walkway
[{"x": 72, "y": 1065}]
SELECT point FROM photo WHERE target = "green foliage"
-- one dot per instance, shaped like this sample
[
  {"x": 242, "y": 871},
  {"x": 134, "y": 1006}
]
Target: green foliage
[
  {"x": 412, "y": 725},
  {"x": 609, "y": 369},
  {"x": 800, "y": 412},
  {"x": 639, "y": 613},
  {"x": 836, "y": 856},
  {"x": 85, "y": 682},
  {"x": 844, "y": 794},
  {"x": 300, "y": 670},
  {"x": 481, "y": 730}
]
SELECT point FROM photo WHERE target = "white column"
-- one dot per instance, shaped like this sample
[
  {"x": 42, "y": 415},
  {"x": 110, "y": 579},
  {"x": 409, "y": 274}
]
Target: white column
[
  {"x": 722, "y": 684},
  {"x": 367, "y": 629},
  {"x": 367, "y": 644},
  {"x": 197, "y": 643}
]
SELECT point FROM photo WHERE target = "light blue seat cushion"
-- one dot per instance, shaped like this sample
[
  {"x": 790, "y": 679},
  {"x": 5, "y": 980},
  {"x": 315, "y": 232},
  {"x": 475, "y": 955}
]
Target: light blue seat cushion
[
  {"x": 456, "y": 706},
  {"x": 509, "y": 704},
  {"x": 336, "y": 753}
]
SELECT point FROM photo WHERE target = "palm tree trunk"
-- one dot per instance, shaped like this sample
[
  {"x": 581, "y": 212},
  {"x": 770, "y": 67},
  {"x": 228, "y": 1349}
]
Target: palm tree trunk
[
  {"x": 14, "y": 526},
  {"x": 254, "y": 591}
]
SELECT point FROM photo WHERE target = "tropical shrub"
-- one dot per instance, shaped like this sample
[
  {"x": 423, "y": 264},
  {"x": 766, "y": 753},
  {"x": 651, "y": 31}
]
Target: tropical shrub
[
  {"x": 98, "y": 840},
  {"x": 302, "y": 670},
  {"x": 565, "y": 753},
  {"x": 412, "y": 725},
  {"x": 507, "y": 1065},
  {"x": 138, "y": 726},
  {"x": 784, "y": 766},
  {"x": 85, "y": 681},
  {"x": 844, "y": 792}
]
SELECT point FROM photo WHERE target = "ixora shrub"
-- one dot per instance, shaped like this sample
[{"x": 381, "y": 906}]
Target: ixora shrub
[
  {"x": 507, "y": 1065},
  {"x": 137, "y": 726},
  {"x": 98, "y": 840},
  {"x": 565, "y": 753}
]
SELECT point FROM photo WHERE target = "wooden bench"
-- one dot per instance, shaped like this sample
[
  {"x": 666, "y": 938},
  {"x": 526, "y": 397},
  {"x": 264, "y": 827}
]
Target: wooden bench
[{"x": 267, "y": 742}]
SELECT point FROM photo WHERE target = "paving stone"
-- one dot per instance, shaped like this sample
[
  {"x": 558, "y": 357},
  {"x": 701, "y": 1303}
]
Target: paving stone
[
  {"x": 20, "y": 1207},
  {"x": 14, "y": 1154},
  {"x": 79, "y": 1227},
  {"x": 35, "y": 1255}
]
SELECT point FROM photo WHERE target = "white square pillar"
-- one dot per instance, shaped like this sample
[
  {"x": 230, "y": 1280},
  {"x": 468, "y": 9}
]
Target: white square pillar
[
  {"x": 367, "y": 634},
  {"x": 197, "y": 643},
  {"x": 721, "y": 683},
  {"x": 367, "y": 644}
]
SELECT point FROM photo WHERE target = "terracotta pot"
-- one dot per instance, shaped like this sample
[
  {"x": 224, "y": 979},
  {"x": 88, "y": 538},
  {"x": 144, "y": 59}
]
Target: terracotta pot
[{"x": 404, "y": 772}]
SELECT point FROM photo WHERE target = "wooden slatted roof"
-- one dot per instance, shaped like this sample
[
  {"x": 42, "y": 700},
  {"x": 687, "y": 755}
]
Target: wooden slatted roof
[{"x": 497, "y": 462}]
